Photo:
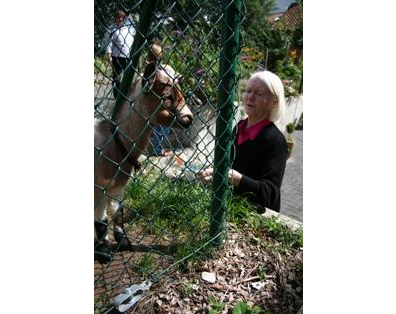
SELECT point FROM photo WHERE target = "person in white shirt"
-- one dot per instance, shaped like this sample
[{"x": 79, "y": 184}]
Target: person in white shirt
[{"x": 119, "y": 39}]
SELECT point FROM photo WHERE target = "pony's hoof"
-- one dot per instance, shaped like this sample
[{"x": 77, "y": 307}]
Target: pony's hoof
[
  {"x": 102, "y": 252},
  {"x": 123, "y": 242}
]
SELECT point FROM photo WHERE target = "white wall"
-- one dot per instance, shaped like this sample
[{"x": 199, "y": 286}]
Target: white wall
[{"x": 294, "y": 110}]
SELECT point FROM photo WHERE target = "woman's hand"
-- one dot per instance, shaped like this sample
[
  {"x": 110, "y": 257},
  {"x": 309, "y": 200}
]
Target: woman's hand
[
  {"x": 206, "y": 176},
  {"x": 234, "y": 177}
]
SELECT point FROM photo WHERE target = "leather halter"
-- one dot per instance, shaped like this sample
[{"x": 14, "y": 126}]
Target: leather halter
[{"x": 120, "y": 145}]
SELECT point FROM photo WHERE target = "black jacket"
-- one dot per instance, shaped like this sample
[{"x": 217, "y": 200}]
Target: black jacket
[{"x": 262, "y": 164}]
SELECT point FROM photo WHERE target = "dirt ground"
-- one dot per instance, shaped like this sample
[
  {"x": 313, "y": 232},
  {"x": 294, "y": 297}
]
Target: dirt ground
[
  {"x": 244, "y": 271},
  {"x": 250, "y": 267}
]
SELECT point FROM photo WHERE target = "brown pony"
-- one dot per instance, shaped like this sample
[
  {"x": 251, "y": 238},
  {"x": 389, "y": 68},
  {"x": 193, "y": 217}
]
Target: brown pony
[{"x": 154, "y": 99}]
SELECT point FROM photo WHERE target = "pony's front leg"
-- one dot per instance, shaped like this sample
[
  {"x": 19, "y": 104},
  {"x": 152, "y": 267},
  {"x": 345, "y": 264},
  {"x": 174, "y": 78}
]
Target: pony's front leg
[
  {"x": 119, "y": 233},
  {"x": 101, "y": 223},
  {"x": 101, "y": 240}
]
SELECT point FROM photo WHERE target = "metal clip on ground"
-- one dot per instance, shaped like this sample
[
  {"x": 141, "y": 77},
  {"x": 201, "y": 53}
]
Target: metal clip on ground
[{"x": 131, "y": 296}]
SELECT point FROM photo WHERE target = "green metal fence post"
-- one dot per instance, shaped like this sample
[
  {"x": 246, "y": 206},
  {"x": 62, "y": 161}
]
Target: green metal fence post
[
  {"x": 136, "y": 50},
  {"x": 222, "y": 158},
  {"x": 300, "y": 89}
]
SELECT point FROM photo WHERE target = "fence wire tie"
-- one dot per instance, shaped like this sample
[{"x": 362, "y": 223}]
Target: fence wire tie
[{"x": 131, "y": 296}]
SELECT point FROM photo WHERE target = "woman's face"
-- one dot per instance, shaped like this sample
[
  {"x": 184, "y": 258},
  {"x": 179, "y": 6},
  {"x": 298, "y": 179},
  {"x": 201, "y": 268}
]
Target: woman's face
[
  {"x": 258, "y": 100},
  {"x": 119, "y": 20}
]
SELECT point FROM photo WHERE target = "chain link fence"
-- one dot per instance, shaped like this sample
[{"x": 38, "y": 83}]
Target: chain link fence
[{"x": 159, "y": 215}]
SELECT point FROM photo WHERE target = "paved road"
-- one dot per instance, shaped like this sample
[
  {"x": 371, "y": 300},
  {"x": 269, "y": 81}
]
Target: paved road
[{"x": 292, "y": 186}]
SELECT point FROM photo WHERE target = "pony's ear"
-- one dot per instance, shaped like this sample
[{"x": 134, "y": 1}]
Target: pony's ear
[{"x": 149, "y": 74}]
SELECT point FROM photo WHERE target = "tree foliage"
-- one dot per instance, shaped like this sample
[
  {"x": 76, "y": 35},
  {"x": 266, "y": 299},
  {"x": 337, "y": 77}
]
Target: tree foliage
[{"x": 258, "y": 33}]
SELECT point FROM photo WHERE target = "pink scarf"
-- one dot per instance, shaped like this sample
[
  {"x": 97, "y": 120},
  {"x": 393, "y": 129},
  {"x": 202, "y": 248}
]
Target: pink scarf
[{"x": 245, "y": 133}]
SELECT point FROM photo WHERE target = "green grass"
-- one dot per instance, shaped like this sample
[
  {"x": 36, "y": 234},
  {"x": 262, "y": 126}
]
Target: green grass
[
  {"x": 216, "y": 307},
  {"x": 168, "y": 206},
  {"x": 173, "y": 210},
  {"x": 103, "y": 66},
  {"x": 146, "y": 266},
  {"x": 243, "y": 308},
  {"x": 179, "y": 211},
  {"x": 242, "y": 214}
]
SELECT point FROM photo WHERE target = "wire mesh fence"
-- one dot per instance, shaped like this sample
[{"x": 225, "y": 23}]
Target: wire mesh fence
[{"x": 161, "y": 117}]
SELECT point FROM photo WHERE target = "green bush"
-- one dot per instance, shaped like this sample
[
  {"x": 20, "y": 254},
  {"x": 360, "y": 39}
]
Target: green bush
[
  {"x": 290, "y": 71},
  {"x": 196, "y": 60},
  {"x": 290, "y": 128}
]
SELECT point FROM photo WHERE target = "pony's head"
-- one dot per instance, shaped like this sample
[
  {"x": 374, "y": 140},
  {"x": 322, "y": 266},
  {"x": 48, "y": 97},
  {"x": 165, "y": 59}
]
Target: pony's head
[{"x": 167, "y": 104}]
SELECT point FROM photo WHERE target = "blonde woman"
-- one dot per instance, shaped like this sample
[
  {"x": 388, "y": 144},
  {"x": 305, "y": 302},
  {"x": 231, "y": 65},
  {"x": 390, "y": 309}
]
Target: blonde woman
[{"x": 260, "y": 150}]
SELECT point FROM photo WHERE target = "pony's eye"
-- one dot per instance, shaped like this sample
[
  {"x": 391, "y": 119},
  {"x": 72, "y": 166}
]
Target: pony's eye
[{"x": 170, "y": 97}]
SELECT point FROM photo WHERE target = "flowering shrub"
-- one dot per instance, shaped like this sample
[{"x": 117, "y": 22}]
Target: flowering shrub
[
  {"x": 290, "y": 71},
  {"x": 249, "y": 60}
]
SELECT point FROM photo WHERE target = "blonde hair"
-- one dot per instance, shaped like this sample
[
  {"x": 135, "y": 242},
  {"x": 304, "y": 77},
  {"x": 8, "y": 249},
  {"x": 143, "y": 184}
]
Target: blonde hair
[{"x": 275, "y": 86}]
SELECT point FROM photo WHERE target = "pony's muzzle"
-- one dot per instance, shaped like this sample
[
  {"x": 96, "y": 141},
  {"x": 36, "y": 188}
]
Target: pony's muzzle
[
  {"x": 185, "y": 120},
  {"x": 184, "y": 117}
]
